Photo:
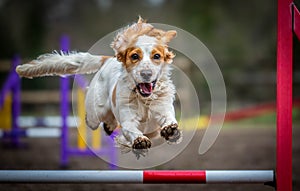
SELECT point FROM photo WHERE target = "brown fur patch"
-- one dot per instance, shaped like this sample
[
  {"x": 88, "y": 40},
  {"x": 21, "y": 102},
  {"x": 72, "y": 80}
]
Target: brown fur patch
[
  {"x": 168, "y": 36},
  {"x": 165, "y": 54},
  {"x": 121, "y": 57},
  {"x": 105, "y": 58},
  {"x": 160, "y": 50},
  {"x": 169, "y": 57},
  {"x": 125, "y": 57},
  {"x": 127, "y": 37},
  {"x": 114, "y": 97},
  {"x": 128, "y": 61},
  {"x": 124, "y": 43}
]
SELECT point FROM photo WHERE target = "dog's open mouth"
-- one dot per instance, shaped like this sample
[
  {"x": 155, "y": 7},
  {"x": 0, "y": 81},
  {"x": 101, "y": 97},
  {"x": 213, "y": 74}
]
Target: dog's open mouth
[{"x": 146, "y": 89}]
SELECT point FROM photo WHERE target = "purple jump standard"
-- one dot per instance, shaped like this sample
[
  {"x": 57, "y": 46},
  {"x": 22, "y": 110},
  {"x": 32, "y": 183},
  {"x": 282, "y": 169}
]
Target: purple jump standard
[
  {"x": 13, "y": 85},
  {"x": 66, "y": 150}
]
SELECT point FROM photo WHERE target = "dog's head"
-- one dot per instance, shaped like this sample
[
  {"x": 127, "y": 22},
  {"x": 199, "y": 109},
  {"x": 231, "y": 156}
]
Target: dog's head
[{"x": 144, "y": 53}]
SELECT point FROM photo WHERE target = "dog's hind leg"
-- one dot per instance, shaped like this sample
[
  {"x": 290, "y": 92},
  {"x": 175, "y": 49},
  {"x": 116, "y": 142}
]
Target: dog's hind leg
[
  {"x": 109, "y": 122},
  {"x": 96, "y": 103},
  {"x": 107, "y": 129}
]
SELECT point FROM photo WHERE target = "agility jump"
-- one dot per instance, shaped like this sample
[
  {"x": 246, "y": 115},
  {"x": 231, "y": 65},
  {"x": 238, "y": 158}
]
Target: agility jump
[{"x": 139, "y": 176}]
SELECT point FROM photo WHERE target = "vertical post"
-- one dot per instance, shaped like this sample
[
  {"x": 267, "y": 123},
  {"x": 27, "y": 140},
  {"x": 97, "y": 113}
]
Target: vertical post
[
  {"x": 64, "y": 108},
  {"x": 6, "y": 112},
  {"x": 284, "y": 96},
  {"x": 16, "y": 105},
  {"x": 296, "y": 24}
]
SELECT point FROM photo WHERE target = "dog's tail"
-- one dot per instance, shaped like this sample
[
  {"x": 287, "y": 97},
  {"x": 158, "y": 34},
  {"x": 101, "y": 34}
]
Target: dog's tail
[{"x": 60, "y": 63}]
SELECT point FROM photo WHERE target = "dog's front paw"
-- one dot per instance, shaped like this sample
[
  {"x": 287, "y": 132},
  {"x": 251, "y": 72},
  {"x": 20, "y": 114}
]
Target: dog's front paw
[
  {"x": 171, "y": 133},
  {"x": 141, "y": 143},
  {"x": 140, "y": 146}
]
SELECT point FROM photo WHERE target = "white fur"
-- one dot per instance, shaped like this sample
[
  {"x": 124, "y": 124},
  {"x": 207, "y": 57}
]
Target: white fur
[
  {"x": 112, "y": 96},
  {"x": 146, "y": 44},
  {"x": 136, "y": 115},
  {"x": 61, "y": 64}
]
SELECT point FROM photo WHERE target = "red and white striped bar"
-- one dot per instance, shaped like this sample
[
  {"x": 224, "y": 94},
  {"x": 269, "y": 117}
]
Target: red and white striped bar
[{"x": 139, "y": 176}]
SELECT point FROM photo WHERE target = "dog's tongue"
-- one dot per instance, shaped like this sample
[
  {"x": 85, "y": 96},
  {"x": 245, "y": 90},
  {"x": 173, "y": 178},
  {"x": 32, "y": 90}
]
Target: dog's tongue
[{"x": 146, "y": 88}]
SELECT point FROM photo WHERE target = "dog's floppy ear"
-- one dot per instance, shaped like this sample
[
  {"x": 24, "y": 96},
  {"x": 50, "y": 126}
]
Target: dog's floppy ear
[
  {"x": 168, "y": 36},
  {"x": 169, "y": 57},
  {"x": 121, "y": 56}
]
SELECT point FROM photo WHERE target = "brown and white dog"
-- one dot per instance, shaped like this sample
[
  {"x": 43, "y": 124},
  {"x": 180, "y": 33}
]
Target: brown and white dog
[{"x": 132, "y": 90}]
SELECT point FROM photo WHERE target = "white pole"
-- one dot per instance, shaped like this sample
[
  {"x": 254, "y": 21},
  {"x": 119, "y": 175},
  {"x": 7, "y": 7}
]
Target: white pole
[
  {"x": 70, "y": 176},
  {"x": 239, "y": 176},
  {"x": 138, "y": 176}
]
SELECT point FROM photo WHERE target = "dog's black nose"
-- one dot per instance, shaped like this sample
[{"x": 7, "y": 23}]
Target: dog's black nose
[{"x": 146, "y": 74}]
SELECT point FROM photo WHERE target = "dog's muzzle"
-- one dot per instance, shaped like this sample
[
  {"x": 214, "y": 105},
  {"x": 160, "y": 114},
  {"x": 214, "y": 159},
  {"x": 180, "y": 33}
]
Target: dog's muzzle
[{"x": 146, "y": 89}]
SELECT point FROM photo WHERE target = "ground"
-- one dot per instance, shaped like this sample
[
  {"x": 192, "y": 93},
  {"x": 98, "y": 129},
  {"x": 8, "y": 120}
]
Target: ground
[{"x": 236, "y": 148}]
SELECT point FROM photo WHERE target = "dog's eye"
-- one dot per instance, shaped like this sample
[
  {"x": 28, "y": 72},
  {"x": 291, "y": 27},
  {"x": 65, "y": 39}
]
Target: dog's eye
[
  {"x": 156, "y": 56},
  {"x": 135, "y": 56}
]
